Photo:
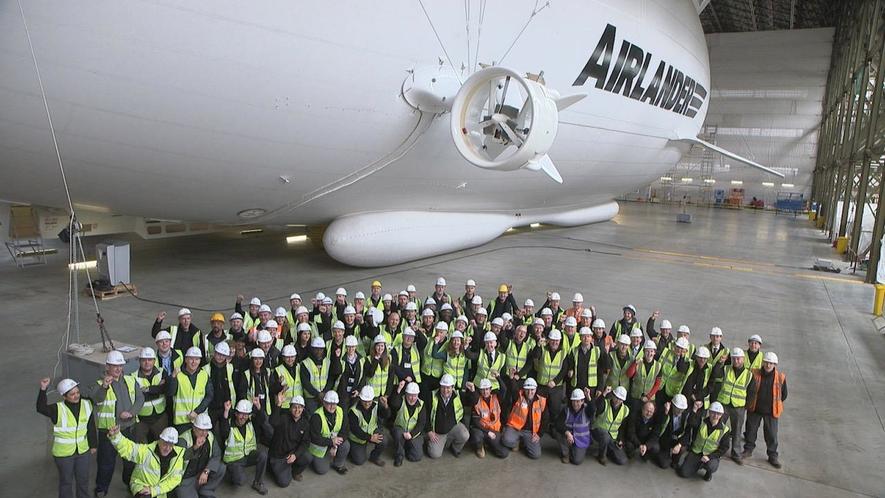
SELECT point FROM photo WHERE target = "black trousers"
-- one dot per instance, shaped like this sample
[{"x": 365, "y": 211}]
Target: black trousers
[
  {"x": 693, "y": 464},
  {"x": 769, "y": 432}
]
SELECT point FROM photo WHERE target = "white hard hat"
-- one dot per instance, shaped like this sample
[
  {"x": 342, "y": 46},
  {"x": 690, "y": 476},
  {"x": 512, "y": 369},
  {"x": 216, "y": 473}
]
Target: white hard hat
[
  {"x": 476, "y": 300},
  {"x": 351, "y": 341},
  {"x": 680, "y": 401},
  {"x": 737, "y": 353},
  {"x": 702, "y": 352},
  {"x": 554, "y": 296},
  {"x": 377, "y": 316},
  {"x": 66, "y": 385},
  {"x": 367, "y": 393},
  {"x": 271, "y": 324},
  {"x": 379, "y": 339},
  {"x": 235, "y": 316},
  {"x": 340, "y": 292},
  {"x": 624, "y": 339},
  {"x": 317, "y": 342},
  {"x": 255, "y": 302},
  {"x": 404, "y": 293},
  {"x": 338, "y": 325},
  {"x": 485, "y": 384},
  {"x": 770, "y": 357},
  {"x": 462, "y": 318},
  {"x": 427, "y": 312},
  {"x": 599, "y": 323},
  {"x": 412, "y": 388},
  {"x": 530, "y": 383},
  {"x": 585, "y": 331},
  {"x": 387, "y": 297},
  {"x": 498, "y": 321},
  {"x": 631, "y": 308},
  {"x": 440, "y": 281},
  {"x": 320, "y": 296},
  {"x": 163, "y": 335},
  {"x": 297, "y": 400},
  {"x": 349, "y": 310},
  {"x": 546, "y": 312},
  {"x": 193, "y": 352},
  {"x": 554, "y": 335},
  {"x": 295, "y": 296},
  {"x": 447, "y": 381},
  {"x": 442, "y": 326},
  {"x": 289, "y": 350},
  {"x": 490, "y": 336},
  {"x": 446, "y": 307},
  {"x": 147, "y": 354},
  {"x": 506, "y": 316},
  {"x": 256, "y": 353},
  {"x": 586, "y": 313},
  {"x": 330, "y": 397},
  {"x": 411, "y": 306},
  {"x": 577, "y": 395},
  {"x": 170, "y": 435},
  {"x": 264, "y": 336},
  {"x": 327, "y": 300},
  {"x": 665, "y": 324},
  {"x": 280, "y": 311},
  {"x": 203, "y": 422},
  {"x": 578, "y": 298},
  {"x": 302, "y": 310},
  {"x": 482, "y": 311},
  {"x": 683, "y": 329},
  {"x": 636, "y": 333},
  {"x": 429, "y": 301},
  {"x": 620, "y": 393},
  {"x": 716, "y": 407},
  {"x": 244, "y": 406},
  {"x": 682, "y": 342},
  {"x": 470, "y": 283},
  {"x": 359, "y": 295},
  {"x": 115, "y": 358},
  {"x": 538, "y": 321},
  {"x": 408, "y": 332},
  {"x": 529, "y": 303},
  {"x": 571, "y": 322},
  {"x": 222, "y": 348},
  {"x": 457, "y": 335},
  {"x": 755, "y": 337},
  {"x": 650, "y": 344},
  {"x": 303, "y": 327},
  {"x": 264, "y": 309},
  {"x": 716, "y": 332},
  {"x": 411, "y": 288},
  {"x": 184, "y": 311}
]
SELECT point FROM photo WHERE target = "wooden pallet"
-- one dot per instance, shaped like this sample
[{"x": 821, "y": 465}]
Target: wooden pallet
[{"x": 117, "y": 291}]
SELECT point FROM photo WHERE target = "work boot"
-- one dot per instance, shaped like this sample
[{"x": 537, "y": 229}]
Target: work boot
[
  {"x": 737, "y": 458},
  {"x": 481, "y": 452},
  {"x": 341, "y": 470},
  {"x": 377, "y": 461},
  {"x": 457, "y": 454},
  {"x": 298, "y": 477},
  {"x": 747, "y": 454},
  {"x": 601, "y": 460},
  {"x": 774, "y": 462},
  {"x": 259, "y": 487},
  {"x": 397, "y": 461},
  {"x": 708, "y": 476},
  {"x": 563, "y": 459}
]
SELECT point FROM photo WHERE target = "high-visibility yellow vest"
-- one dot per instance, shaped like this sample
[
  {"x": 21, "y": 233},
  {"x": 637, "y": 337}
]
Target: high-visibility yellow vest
[
  {"x": 618, "y": 374},
  {"x": 151, "y": 406},
  {"x": 319, "y": 375},
  {"x": 455, "y": 366},
  {"x": 644, "y": 379},
  {"x": 293, "y": 384},
  {"x": 431, "y": 366},
  {"x": 69, "y": 434},
  {"x": 188, "y": 396},
  {"x": 252, "y": 390},
  {"x": 379, "y": 379},
  {"x": 707, "y": 441},
  {"x": 230, "y": 380},
  {"x": 148, "y": 470},
  {"x": 609, "y": 422},
  {"x": 328, "y": 430},
  {"x": 188, "y": 439},
  {"x": 414, "y": 361},
  {"x": 239, "y": 445},
  {"x": 367, "y": 426},
  {"x": 714, "y": 358},
  {"x": 196, "y": 339},
  {"x": 756, "y": 363},
  {"x": 459, "y": 408},
  {"x": 570, "y": 342},
  {"x": 619, "y": 328},
  {"x": 734, "y": 388},
  {"x": 549, "y": 367},
  {"x": 592, "y": 366},
  {"x": 405, "y": 421},
  {"x": 673, "y": 379},
  {"x": 518, "y": 355},
  {"x": 106, "y": 411},
  {"x": 210, "y": 348},
  {"x": 484, "y": 368}
]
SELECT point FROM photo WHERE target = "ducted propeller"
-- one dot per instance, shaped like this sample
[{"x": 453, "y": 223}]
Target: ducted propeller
[{"x": 504, "y": 121}]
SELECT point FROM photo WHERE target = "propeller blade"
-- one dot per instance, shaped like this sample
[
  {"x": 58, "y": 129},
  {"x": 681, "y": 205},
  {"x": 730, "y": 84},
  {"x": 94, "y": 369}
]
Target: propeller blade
[
  {"x": 545, "y": 164},
  {"x": 511, "y": 134},
  {"x": 507, "y": 152},
  {"x": 564, "y": 102},
  {"x": 503, "y": 95}
]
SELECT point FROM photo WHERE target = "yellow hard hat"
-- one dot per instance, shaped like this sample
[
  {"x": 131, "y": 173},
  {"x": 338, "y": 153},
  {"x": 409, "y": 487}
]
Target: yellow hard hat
[
  {"x": 217, "y": 317},
  {"x": 503, "y": 288},
  {"x": 376, "y": 283}
]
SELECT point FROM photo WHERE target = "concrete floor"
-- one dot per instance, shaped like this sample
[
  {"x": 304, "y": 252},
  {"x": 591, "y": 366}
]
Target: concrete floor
[{"x": 740, "y": 270}]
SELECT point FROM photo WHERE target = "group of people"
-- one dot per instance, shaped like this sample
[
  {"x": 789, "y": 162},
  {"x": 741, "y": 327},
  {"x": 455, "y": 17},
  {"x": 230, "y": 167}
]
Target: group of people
[{"x": 278, "y": 391}]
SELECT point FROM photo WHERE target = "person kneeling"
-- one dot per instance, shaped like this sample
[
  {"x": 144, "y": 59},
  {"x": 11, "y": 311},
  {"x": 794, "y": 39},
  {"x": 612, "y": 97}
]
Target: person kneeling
[
  {"x": 609, "y": 427},
  {"x": 573, "y": 428},
  {"x": 241, "y": 448},
  {"x": 158, "y": 465},
  {"x": 710, "y": 443},
  {"x": 365, "y": 427},
  {"x": 204, "y": 471},
  {"x": 527, "y": 420},
  {"x": 288, "y": 455},
  {"x": 328, "y": 437}
]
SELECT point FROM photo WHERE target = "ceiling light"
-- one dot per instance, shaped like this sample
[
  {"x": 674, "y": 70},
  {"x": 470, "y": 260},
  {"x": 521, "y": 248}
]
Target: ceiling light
[
  {"x": 787, "y": 185},
  {"x": 251, "y": 230},
  {"x": 535, "y": 225},
  {"x": 709, "y": 180},
  {"x": 737, "y": 182},
  {"x": 767, "y": 184},
  {"x": 687, "y": 180},
  {"x": 666, "y": 178},
  {"x": 83, "y": 265},
  {"x": 295, "y": 238}
]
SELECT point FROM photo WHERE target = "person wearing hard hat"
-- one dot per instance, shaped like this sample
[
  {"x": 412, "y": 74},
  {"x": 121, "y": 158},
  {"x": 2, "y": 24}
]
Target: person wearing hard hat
[
  {"x": 527, "y": 420},
  {"x": 644, "y": 426},
  {"x": 570, "y": 337},
  {"x": 553, "y": 304},
  {"x": 184, "y": 335},
  {"x": 619, "y": 362},
  {"x": 352, "y": 376},
  {"x": 480, "y": 324},
  {"x": 190, "y": 391},
  {"x": 489, "y": 363},
  {"x": 733, "y": 386},
  {"x": 676, "y": 431},
  {"x": 257, "y": 381},
  {"x": 675, "y": 368},
  {"x": 663, "y": 337},
  {"x": 74, "y": 436},
  {"x": 266, "y": 344},
  {"x": 287, "y": 455},
  {"x": 302, "y": 315},
  {"x": 465, "y": 302},
  {"x": 151, "y": 381},
  {"x": 117, "y": 403},
  {"x": 549, "y": 360},
  {"x": 317, "y": 374},
  {"x": 447, "y": 313},
  {"x": 645, "y": 378},
  {"x": 603, "y": 341},
  {"x": 340, "y": 303},
  {"x": 370, "y": 328},
  {"x": 168, "y": 359},
  {"x": 446, "y": 427},
  {"x": 455, "y": 359},
  {"x": 636, "y": 342},
  {"x": 237, "y": 328},
  {"x": 410, "y": 315},
  {"x": 439, "y": 292},
  {"x": 717, "y": 349},
  {"x": 577, "y": 308},
  {"x": 527, "y": 313},
  {"x": 323, "y": 318},
  {"x": 432, "y": 363},
  {"x": 585, "y": 319},
  {"x": 427, "y": 323},
  {"x": 377, "y": 368},
  {"x": 335, "y": 347},
  {"x": 250, "y": 318},
  {"x": 754, "y": 352},
  {"x": 650, "y": 324},
  {"x": 243, "y": 431},
  {"x": 329, "y": 431},
  {"x": 503, "y": 303},
  {"x": 158, "y": 466},
  {"x": 685, "y": 333},
  {"x": 765, "y": 408},
  {"x": 365, "y": 419},
  {"x": 518, "y": 351},
  {"x": 697, "y": 382},
  {"x": 391, "y": 329},
  {"x": 264, "y": 314},
  {"x": 475, "y": 306},
  {"x": 584, "y": 366},
  {"x": 203, "y": 470},
  {"x": 609, "y": 426},
  {"x": 359, "y": 306},
  {"x": 626, "y": 324},
  {"x": 283, "y": 335},
  {"x": 302, "y": 341},
  {"x": 709, "y": 443},
  {"x": 224, "y": 378},
  {"x": 406, "y": 357},
  {"x": 375, "y": 296},
  {"x": 351, "y": 326},
  {"x": 548, "y": 321},
  {"x": 216, "y": 333},
  {"x": 295, "y": 302},
  {"x": 284, "y": 378},
  {"x": 573, "y": 428},
  {"x": 486, "y": 418},
  {"x": 402, "y": 299},
  {"x": 508, "y": 324},
  {"x": 408, "y": 424}
]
